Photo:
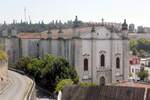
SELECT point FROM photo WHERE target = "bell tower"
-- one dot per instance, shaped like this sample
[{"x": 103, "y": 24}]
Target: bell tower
[
  {"x": 125, "y": 29},
  {"x": 125, "y": 50}
]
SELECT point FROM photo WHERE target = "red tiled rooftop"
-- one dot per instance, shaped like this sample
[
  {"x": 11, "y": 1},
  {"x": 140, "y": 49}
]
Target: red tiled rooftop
[
  {"x": 68, "y": 33},
  {"x": 138, "y": 85},
  {"x": 133, "y": 84},
  {"x": 28, "y": 35}
]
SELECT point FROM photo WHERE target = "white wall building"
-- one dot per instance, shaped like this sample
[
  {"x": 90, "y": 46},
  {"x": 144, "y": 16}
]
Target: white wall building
[{"x": 99, "y": 54}]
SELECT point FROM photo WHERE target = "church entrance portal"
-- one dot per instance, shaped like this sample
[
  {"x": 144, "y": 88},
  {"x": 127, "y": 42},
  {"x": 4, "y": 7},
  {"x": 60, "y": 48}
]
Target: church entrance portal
[{"x": 102, "y": 81}]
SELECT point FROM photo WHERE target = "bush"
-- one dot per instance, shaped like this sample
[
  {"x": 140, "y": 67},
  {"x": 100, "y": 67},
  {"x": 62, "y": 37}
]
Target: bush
[
  {"x": 143, "y": 74},
  {"x": 62, "y": 84},
  {"x": 3, "y": 55},
  {"x": 22, "y": 63}
]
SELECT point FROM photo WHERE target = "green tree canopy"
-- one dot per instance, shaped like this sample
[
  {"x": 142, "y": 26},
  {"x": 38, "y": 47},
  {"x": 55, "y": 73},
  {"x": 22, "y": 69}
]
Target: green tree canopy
[
  {"x": 140, "y": 46},
  {"x": 142, "y": 74},
  {"x": 48, "y": 71}
]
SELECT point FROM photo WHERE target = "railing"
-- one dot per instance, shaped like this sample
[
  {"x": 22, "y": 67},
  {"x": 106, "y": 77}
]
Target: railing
[{"x": 30, "y": 94}]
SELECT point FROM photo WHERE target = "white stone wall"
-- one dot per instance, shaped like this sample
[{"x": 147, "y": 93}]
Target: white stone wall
[
  {"x": 54, "y": 47},
  {"x": 85, "y": 45},
  {"x": 24, "y": 47},
  {"x": 12, "y": 49},
  {"x": 117, "y": 74},
  {"x": 44, "y": 47},
  {"x": 86, "y": 54},
  {"x": 104, "y": 42}
]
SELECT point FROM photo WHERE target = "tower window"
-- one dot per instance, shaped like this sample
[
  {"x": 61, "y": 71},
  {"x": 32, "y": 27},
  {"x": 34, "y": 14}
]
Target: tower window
[
  {"x": 85, "y": 64},
  {"x": 118, "y": 62},
  {"x": 102, "y": 60}
]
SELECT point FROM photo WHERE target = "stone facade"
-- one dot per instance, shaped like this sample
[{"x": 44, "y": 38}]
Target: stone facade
[{"x": 99, "y": 54}]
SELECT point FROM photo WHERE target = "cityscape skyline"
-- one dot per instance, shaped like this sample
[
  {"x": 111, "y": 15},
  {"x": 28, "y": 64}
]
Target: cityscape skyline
[{"x": 37, "y": 10}]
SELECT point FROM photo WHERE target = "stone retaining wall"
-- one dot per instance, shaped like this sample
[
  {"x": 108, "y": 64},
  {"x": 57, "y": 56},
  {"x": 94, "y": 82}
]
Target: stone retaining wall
[{"x": 103, "y": 93}]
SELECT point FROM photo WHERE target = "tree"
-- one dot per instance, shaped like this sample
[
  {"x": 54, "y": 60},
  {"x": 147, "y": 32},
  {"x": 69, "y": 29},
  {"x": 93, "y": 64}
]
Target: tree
[
  {"x": 142, "y": 74},
  {"x": 133, "y": 44},
  {"x": 34, "y": 68},
  {"x": 140, "y": 46},
  {"x": 48, "y": 71},
  {"x": 22, "y": 63},
  {"x": 57, "y": 69}
]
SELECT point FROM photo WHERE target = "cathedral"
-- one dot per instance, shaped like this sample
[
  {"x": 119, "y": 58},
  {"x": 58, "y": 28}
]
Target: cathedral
[{"x": 99, "y": 53}]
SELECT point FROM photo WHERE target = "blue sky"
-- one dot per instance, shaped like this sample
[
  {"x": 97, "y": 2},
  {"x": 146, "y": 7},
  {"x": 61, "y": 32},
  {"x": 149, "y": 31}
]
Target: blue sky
[{"x": 135, "y": 11}]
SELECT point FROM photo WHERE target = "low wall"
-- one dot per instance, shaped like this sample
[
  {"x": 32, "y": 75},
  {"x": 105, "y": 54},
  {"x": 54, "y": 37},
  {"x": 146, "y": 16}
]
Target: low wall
[
  {"x": 148, "y": 94},
  {"x": 102, "y": 93},
  {"x": 3, "y": 70},
  {"x": 3, "y": 74}
]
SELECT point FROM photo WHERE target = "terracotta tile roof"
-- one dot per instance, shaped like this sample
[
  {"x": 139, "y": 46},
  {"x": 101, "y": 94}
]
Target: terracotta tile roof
[
  {"x": 137, "y": 85},
  {"x": 132, "y": 84},
  {"x": 27, "y": 35},
  {"x": 68, "y": 33}
]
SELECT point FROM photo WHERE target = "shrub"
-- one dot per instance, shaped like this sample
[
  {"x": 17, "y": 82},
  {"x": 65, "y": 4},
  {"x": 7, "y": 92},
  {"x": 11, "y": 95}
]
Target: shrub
[
  {"x": 62, "y": 84},
  {"x": 3, "y": 55},
  {"x": 142, "y": 74}
]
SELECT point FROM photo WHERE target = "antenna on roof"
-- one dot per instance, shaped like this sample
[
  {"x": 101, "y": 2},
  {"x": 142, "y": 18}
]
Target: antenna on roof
[
  {"x": 25, "y": 10},
  {"x": 29, "y": 19}
]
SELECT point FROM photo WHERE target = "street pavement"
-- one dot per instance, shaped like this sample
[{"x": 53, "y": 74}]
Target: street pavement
[{"x": 18, "y": 89}]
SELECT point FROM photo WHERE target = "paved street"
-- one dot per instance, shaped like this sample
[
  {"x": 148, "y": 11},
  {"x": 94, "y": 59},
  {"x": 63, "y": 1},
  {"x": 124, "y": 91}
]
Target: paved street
[{"x": 18, "y": 89}]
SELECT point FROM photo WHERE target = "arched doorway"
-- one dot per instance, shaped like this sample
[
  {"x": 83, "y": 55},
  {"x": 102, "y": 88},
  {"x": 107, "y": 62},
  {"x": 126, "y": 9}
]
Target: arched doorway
[{"x": 102, "y": 81}]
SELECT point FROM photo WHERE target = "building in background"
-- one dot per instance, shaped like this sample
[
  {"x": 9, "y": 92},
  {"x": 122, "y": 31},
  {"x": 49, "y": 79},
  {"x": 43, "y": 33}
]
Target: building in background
[
  {"x": 135, "y": 67},
  {"x": 140, "y": 29},
  {"x": 137, "y": 64},
  {"x": 147, "y": 29},
  {"x": 98, "y": 52},
  {"x": 131, "y": 28}
]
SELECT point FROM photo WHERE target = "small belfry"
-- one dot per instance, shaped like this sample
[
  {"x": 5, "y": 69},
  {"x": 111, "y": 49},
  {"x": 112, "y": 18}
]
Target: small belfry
[
  {"x": 125, "y": 25},
  {"x": 76, "y": 22},
  {"x": 102, "y": 22}
]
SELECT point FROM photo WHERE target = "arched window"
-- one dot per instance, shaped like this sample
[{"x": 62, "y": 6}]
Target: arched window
[
  {"x": 117, "y": 62},
  {"x": 102, "y": 60},
  {"x": 85, "y": 64}
]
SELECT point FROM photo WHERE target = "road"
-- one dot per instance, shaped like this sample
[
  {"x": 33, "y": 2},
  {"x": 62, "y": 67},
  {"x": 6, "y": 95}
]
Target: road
[{"x": 18, "y": 88}]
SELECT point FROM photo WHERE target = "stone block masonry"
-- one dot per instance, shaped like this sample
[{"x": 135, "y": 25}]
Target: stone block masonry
[{"x": 103, "y": 93}]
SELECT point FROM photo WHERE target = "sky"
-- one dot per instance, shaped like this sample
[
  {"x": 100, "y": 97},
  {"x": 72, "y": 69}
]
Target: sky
[{"x": 134, "y": 11}]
